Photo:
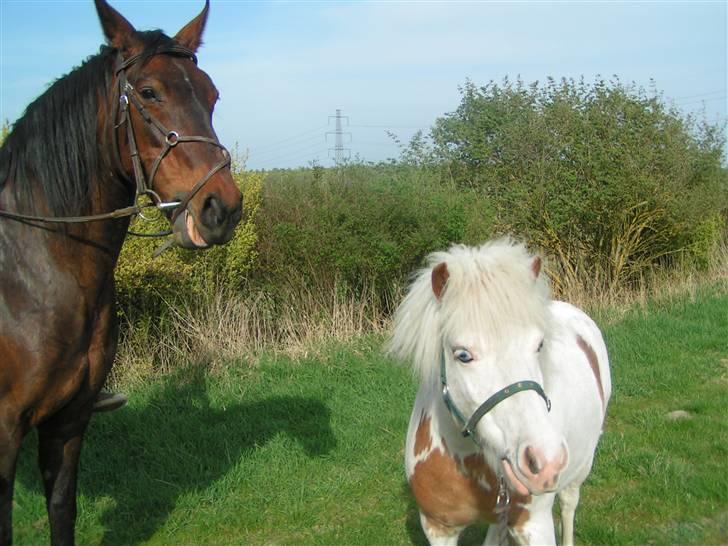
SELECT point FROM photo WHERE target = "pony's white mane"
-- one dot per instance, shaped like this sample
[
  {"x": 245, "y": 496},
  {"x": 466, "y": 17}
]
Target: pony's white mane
[{"x": 491, "y": 286}]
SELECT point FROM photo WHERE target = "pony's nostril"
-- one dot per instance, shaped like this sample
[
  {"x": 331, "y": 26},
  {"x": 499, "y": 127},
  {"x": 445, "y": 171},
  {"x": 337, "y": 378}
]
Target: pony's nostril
[{"x": 533, "y": 464}]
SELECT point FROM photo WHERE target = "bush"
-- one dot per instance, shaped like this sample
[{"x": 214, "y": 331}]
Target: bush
[
  {"x": 604, "y": 176},
  {"x": 362, "y": 227},
  {"x": 143, "y": 281}
]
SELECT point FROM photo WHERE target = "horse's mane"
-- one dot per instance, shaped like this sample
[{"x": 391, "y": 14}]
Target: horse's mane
[
  {"x": 52, "y": 152},
  {"x": 491, "y": 286}
]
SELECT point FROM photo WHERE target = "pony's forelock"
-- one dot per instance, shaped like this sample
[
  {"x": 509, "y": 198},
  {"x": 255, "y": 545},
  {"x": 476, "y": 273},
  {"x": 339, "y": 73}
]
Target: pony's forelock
[{"x": 491, "y": 286}]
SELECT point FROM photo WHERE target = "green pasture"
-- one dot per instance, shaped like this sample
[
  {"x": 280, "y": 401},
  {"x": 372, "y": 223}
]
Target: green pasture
[{"x": 309, "y": 451}]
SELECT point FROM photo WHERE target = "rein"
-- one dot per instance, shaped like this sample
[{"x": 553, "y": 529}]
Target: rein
[
  {"x": 468, "y": 430},
  {"x": 127, "y": 95}
]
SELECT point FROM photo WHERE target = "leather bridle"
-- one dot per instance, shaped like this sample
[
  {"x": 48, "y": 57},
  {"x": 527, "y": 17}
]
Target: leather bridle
[
  {"x": 143, "y": 188},
  {"x": 127, "y": 96}
]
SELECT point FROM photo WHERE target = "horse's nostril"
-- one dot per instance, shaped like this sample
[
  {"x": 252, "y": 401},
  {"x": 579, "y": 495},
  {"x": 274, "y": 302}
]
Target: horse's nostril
[{"x": 213, "y": 212}]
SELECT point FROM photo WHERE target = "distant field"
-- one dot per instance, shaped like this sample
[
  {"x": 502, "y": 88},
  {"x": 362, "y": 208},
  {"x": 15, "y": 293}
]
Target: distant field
[{"x": 309, "y": 451}]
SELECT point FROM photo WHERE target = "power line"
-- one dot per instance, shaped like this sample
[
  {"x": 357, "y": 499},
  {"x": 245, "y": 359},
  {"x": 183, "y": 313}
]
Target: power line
[
  {"x": 707, "y": 93},
  {"x": 288, "y": 155},
  {"x": 389, "y": 126},
  {"x": 289, "y": 148},
  {"x": 287, "y": 139},
  {"x": 310, "y": 156},
  {"x": 700, "y": 101}
]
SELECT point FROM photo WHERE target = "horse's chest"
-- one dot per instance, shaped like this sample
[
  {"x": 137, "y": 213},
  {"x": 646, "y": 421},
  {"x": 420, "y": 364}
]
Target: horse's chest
[{"x": 45, "y": 340}]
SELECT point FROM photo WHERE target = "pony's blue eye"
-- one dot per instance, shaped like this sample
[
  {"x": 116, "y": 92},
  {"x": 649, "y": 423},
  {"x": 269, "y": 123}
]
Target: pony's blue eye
[{"x": 463, "y": 355}]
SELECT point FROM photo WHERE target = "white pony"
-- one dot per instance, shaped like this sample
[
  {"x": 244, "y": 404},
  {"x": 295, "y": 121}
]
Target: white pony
[{"x": 514, "y": 390}]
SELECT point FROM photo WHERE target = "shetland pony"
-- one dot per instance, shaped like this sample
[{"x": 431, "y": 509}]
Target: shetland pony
[
  {"x": 131, "y": 123},
  {"x": 513, "y": 394}
]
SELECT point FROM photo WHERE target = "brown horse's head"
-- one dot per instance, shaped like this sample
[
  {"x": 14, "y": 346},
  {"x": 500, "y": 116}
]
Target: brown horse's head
[{"x": 165, "y": 113}]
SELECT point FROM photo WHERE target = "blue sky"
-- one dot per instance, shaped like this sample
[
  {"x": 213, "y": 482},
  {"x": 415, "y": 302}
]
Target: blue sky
[{"x": 283, "y": 68}]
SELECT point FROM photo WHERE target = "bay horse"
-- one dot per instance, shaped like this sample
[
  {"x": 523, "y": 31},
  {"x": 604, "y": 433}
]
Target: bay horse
[
  {"x": 512, "y": 400},
  {"x": 129, "y": 128}
]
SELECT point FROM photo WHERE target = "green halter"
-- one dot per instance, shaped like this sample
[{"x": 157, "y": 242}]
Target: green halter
[{"x": 469, "y": 424}]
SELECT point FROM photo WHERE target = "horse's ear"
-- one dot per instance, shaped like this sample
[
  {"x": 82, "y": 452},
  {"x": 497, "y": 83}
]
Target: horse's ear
[
  {"x": 440, "y": 275},
  {"x": 118, "y": 31},
  {"x": 536, "y": 267},
  {"x": 191, "y": 34}
]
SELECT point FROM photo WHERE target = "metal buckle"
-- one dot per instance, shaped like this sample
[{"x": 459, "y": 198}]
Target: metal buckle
[
  {"x": 503, "y": 500},
  {"x": 172, "y": 139}
]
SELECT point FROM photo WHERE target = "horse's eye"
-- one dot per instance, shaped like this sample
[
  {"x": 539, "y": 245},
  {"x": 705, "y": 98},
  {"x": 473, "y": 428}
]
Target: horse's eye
[
  {"x": 463, "y": 355},
  {"x": 540, "y": 346},
  {"x": 148, "y": 93}
]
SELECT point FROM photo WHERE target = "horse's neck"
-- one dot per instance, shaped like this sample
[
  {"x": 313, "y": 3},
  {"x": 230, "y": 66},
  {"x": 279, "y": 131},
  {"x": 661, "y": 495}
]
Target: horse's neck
[{"x": 87, "y": 251}]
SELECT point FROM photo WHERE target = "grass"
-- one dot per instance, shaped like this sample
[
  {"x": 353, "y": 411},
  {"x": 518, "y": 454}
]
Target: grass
[{"x": 309, "y": 449}]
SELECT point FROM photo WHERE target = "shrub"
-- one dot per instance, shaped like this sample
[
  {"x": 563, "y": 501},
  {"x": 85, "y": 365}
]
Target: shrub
[
  {"x": 362, "y": 227},
  {"x": 604, "y": 176},
  {"x": 143, "y": 281}
]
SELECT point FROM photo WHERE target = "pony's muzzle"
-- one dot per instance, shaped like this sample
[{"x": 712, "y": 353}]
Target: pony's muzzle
[
  {"x": 535, "y": 472},
  {"x": 541, "y": 471}
]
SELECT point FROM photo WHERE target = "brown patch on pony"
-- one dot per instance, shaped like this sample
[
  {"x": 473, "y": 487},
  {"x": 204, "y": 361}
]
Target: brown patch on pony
[
  {"x": 423, "y": 438},
  {"x": 591, "y": 356},
  {"x": 452, "y": 493},
  {"x": 440, "y": 275},
  {"x": 536, "y": 267}
]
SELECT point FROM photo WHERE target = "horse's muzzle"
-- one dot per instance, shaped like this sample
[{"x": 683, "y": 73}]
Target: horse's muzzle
[
  {"x": 213, "y": 225},
  {"x": 216, "y": 221}
]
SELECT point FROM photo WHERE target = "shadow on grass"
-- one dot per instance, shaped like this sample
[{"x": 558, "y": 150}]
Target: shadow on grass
[
  {"x": 145, "y": 458},
  {"x": 474, "y": 535}
]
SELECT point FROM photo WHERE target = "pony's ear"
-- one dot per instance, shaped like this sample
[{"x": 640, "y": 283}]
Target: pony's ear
[
  {"x": 440, "y": 275},
  {"x": 118, "y": 31},
  {"x": 536, "y": 267},
  {"x": 190, "y": 36}
]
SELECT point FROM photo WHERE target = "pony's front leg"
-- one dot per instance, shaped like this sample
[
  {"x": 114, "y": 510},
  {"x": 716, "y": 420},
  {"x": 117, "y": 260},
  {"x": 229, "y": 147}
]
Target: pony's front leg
[
  {"x": 569, "y": 499},
  {"x": 438, "y": 534},
  {"x": 537, "y": 529},
  {"x": 10, "y": 439},
  {"x": 59, "y": 448}
]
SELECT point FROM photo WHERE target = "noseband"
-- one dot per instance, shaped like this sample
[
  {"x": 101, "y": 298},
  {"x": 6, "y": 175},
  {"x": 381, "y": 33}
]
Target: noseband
[
  {"x": 468, "y": 430},
  {"x": 171, "y": 138}
]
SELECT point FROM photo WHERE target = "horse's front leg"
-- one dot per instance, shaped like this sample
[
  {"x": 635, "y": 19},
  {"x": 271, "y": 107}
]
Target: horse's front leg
[
  {"x": 10, "y": 438},
  {"x": 60, "y": 438},
  {"x": 59, "y": 449}
]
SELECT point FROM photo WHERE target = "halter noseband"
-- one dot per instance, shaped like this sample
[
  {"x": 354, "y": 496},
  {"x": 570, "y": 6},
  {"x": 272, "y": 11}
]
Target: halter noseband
[
  {"x": 128, "y": 95},
  {"x": 468, "y": 430}
]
